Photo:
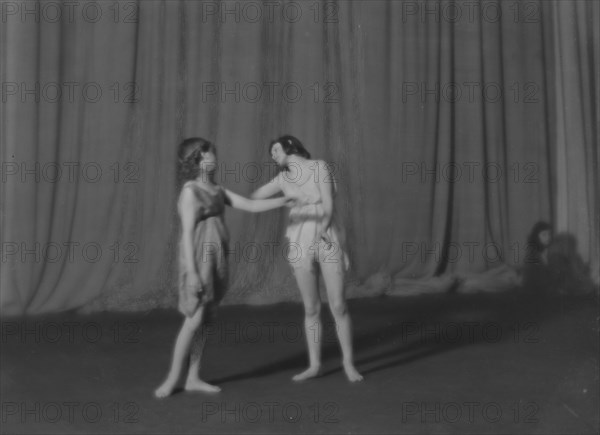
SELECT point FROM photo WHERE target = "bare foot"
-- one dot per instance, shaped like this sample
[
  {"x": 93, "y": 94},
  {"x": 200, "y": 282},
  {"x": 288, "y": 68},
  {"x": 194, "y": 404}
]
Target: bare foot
[
  {"x": 200, "y": 385},
  {"x": 352, "y": 373},
  {"x": 166, "y": 389},
  {"x": 311, "y": 372}
]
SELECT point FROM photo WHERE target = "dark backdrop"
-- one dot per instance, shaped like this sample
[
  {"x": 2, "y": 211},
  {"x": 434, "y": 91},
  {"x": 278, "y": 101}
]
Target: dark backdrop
[{"x": 451, "y": 127}]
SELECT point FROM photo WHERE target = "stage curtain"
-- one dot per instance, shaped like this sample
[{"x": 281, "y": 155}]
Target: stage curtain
[
  {"x": 435, "y": 116},
  {"x": 577, "y": 90}
]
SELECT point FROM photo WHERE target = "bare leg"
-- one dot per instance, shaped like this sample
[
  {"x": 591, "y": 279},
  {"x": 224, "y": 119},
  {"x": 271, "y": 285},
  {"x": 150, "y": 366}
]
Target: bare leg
[
  {"x": 180, "y": 353},
  {"x": 307, "y": 282},
  {"x": 193, "y": 382},
  {"x": 334, "y": 282}
]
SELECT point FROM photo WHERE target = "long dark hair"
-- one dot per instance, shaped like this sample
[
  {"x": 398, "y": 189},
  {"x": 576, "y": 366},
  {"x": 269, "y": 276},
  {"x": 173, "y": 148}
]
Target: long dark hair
[
  {"x": 290, "y": 145},
  {"x": 534, "y": 247},
  {"x": 533, "y": 240},
  {"x": 189, "y": 156}
]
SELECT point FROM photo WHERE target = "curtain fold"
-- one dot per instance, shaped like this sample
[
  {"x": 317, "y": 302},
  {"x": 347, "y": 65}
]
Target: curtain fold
[
  {"x": 577, "y": 72},
  {"x": 440, "y": 129}
]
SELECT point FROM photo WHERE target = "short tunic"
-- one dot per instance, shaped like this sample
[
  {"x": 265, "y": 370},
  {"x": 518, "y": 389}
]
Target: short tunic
[
  {"x": 305, "y": 217},
  {"x": 210, "y": 245}
]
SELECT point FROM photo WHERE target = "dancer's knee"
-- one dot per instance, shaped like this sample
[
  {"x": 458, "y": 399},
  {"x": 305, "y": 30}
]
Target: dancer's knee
[
  {"x": 312, "y": 310},
  {"x": 338, "y": 308}
]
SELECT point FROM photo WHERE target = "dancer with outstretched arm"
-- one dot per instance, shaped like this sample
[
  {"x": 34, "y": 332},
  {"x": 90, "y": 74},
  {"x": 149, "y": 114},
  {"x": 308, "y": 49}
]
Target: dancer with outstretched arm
[{"x": 202, "y": 257}]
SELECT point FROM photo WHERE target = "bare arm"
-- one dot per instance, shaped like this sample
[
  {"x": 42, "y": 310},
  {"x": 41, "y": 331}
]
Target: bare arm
[
  {"x": 253, "y": 205},
  {"x": 187, "y": 215},
  {"x": 326, "y": 189},
  {"x": 266, "y": 191}
]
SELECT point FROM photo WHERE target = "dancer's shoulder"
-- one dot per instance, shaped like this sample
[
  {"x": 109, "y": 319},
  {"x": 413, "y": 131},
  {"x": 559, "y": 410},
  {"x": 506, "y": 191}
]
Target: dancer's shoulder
[
  {"x": 188, "y": 185},
  {"x": 191, "y": 192}
]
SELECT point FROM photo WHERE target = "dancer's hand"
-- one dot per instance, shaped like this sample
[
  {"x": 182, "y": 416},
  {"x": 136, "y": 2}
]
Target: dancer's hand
[
  {"x": 193, "y": 283},
  {"x": 290, "y": 201},
  {"x": 322, "y": 236}
]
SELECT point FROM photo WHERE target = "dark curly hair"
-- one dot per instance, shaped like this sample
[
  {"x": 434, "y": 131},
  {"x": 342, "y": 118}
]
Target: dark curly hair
[
  {"x": 189, "y": 156},
  {"x": 534, "y": 247},
  {"x": 533, "y": 240},
  {"x": 290, "y": 145}
]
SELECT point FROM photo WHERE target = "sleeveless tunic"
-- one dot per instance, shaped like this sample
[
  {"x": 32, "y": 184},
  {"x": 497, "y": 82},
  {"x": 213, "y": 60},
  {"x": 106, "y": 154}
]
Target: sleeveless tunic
[
  {"x": 304, "y": 219},
  {"x": 210, "y": 246}
]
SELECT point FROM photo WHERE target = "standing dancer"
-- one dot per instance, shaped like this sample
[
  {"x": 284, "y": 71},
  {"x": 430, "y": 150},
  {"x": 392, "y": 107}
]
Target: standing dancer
[
  {"x": 313, "y": 238},
  {"x": 202, "y": 256}
]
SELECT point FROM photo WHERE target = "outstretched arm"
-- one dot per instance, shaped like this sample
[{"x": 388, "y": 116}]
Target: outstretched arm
[
  {"x": 253, "y": 205},
  {"x": 266, "y": 191}
]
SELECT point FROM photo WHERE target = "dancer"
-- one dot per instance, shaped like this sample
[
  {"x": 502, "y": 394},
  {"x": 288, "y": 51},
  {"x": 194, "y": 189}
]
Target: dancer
[
  {"x": 313, "y": 238},
  {"x": 202, "y": 256},
  {"x": 537, "y": 276},
  {"x": 538, "y": 241},
  {"x": 553, "y": 265}
]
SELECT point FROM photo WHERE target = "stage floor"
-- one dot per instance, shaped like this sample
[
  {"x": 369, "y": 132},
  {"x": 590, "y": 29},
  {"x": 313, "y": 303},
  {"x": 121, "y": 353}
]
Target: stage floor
[{"x": 460, "y": 364}]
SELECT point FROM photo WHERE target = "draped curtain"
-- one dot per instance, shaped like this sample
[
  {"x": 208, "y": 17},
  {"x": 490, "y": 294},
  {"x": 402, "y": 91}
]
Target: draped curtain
[
  {"x": 446, "y": 125},
  {"x": 577, "y": 66}
]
